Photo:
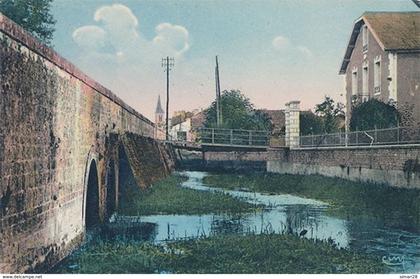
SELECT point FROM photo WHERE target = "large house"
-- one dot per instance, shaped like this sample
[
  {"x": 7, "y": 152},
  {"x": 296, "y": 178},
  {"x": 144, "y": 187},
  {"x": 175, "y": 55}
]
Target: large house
[{"x": 382, "y": 61}]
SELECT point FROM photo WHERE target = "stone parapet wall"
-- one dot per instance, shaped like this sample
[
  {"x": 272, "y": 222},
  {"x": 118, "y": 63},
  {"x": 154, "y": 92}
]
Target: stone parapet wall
[
  {"x": 397, "y": 166},
  {"x": 244, "y": 155}
]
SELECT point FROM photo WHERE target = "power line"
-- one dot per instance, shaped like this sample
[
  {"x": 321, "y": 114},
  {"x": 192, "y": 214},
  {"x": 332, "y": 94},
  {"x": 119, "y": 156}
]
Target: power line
[{"x": 167, "y": 64}]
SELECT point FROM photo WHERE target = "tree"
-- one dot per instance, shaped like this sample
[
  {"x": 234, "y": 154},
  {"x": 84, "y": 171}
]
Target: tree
[
  {"x": 330, "y": 112},
  {"x": 310, "y": 123},
  {"x": 237, "y": 113},
  {"x": 33, "y": 15},
  {"x": 374, "y": 114}
]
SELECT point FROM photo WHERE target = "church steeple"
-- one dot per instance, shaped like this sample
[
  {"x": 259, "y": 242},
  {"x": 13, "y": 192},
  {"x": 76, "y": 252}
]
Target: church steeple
[
  {"x": 159, "y": 109},
  {"x": 159, "y": 112}
]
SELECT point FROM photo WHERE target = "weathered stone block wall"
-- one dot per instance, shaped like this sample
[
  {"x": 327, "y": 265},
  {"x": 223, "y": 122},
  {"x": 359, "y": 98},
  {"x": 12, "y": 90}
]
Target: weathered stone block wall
[
  {"x": 244, "y": 155},
  {"x": 150, "y": 160},
  {"x": 54, "y": 122},
  {"x": 396, "y": 166},
  {"x": 236, "y": 160}
]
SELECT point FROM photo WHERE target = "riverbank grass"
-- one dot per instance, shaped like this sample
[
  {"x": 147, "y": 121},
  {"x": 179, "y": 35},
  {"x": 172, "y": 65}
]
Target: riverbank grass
[
  {"x": 346, "y": 198},
  {"x": 168, "y": 197},
  {"x": 266, "y": 253}
]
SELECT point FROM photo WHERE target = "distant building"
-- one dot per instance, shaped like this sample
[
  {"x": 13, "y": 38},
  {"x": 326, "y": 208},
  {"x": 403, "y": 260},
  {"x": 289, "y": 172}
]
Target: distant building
[
  {"x": 159, "y": 121},
  {"x": 181, "y": 126},
  {"x": 182, "y": 131},
  {"x": 278, "y": 121},
  {"x": 382, "y": 61},
  {"x": 277, "y": 118},
  {"x": 185, "y": 125},
  {"x": 197, "y": 121}
]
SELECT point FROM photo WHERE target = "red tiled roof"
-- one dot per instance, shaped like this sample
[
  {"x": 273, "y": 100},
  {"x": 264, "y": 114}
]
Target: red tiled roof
[
  {"x": 277, "y": 117},
  {"x": 393, "y": 31}
]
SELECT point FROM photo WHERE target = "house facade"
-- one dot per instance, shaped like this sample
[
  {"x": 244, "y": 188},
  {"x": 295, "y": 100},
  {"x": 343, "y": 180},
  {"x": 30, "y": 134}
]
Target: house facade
[
  {"x": 382, "y": 61},
  {"x": 182, "y": 130},
  {"x": 185, "y": 125}
]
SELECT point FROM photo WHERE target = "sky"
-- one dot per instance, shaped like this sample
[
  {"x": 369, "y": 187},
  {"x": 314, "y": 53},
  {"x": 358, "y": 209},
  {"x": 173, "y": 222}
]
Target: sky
[{"x": 274, "y": 51}]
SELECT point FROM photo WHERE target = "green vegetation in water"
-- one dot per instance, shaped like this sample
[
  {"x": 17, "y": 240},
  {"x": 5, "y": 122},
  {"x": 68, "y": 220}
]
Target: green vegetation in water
[
  {"x": 110, "y": 257},
  {"x": 168, "y": 197},
  {"x": 266, "y": 253},
  {"x": 394, "y": 206}
]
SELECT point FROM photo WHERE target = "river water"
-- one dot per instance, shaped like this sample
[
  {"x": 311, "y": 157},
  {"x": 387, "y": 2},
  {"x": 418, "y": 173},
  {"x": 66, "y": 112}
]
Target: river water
[
  {"x": 283, "y": 214},
  {"x": 309, "y": 218}
]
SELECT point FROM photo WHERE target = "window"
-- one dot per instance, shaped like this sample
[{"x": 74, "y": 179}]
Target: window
[
  {"x": 377, "y": 76},
  {"x": 365, "y": 80},
  {"x": 354, "y": 83},
  {"x": 181, "y": 135},
  {"x": 365, "y": 35}
]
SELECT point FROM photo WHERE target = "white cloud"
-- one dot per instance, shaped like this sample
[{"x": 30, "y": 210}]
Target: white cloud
[
  {"x": 112, "y": 14},
  {"x": 116, "y": 54},
  {"x": 174, "y": 36},
  {"x": 305, "y": 51},
  {"x": 281, "y": 43},
  {"x": 118, "y": 30},
  {"x": 90, "y": 37},
  {"x": 119, "y": 21}
]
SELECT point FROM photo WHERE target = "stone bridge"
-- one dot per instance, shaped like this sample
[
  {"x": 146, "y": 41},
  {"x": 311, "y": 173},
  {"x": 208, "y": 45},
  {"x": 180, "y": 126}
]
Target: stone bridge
[
  {"x": 65, "y": 144},
  {"x": 69, "y": 146}
]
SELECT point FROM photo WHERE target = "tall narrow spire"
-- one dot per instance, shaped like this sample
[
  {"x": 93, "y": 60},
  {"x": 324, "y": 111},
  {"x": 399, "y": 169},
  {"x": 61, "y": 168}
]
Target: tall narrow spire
[{"x": 159, "y": 107}]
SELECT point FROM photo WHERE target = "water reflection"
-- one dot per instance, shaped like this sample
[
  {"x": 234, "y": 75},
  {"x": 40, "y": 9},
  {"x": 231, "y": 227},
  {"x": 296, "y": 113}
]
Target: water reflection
[
  {"x": 288, "y": 214},
  {"x": 195, "y": 181},
  {"x": 284, "y": 214}
]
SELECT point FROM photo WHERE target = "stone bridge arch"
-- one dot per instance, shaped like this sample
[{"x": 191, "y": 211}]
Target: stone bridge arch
[
  {"x": 108, "y": 175},
  {"x": 111, "y": 185},
  {"x": 91, "y": 206},
  {"x": 101, "y": 184},
  {"x": 125, "y": 175}
]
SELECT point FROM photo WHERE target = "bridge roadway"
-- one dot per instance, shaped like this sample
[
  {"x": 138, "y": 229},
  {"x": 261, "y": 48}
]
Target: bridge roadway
[
  {"x": 226, "y": 139},
  {"x": 197, "y": 146}
]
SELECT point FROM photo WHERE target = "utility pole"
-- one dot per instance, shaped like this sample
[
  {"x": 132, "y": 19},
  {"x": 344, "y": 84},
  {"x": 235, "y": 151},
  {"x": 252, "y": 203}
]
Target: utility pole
[
  {"x": 167, "y": 64},
  {"x": 218, "y": 98}
]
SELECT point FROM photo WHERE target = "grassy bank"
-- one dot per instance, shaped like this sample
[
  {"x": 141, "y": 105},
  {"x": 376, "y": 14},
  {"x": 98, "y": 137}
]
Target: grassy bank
[
  {"x": 267, "y": 253},
  {"x": 168, "y": 197},
  {"x": 394, "y": 206}
]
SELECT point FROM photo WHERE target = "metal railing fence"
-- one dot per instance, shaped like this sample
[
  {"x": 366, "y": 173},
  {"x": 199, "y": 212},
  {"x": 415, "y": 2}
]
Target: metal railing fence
[
  {"x": 237, "y": 137},
  {"x": 389, "y": 136}
]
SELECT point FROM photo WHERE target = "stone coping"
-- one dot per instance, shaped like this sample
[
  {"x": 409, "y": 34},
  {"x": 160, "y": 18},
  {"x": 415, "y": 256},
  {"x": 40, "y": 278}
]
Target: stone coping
[{"x": 393, "y": 146}]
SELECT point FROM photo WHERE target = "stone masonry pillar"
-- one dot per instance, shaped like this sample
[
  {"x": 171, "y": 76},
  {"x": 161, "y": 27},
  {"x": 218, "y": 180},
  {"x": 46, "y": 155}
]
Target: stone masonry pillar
[{"x": 292, "y": 123}]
